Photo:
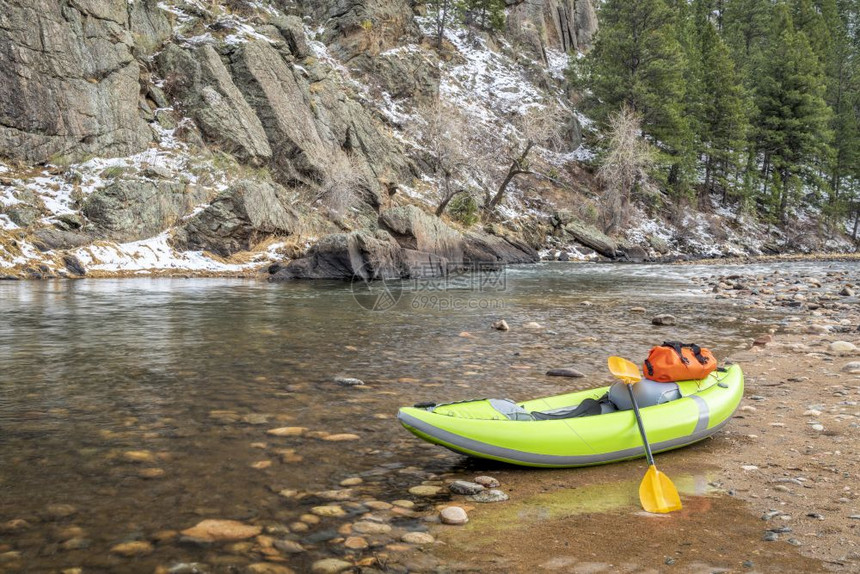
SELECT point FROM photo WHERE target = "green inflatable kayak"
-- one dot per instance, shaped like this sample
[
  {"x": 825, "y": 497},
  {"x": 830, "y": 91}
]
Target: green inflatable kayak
[{"x": 582, "y": 428}]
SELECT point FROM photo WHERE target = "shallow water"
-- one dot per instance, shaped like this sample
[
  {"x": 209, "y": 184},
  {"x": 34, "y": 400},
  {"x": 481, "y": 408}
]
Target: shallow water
[{"x": 193, "y": 372}]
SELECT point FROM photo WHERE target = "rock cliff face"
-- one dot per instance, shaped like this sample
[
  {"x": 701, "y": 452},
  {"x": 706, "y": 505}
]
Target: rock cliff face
[
  {"x": 562, "y": 24},
  {"x": 71, "y": 77}
]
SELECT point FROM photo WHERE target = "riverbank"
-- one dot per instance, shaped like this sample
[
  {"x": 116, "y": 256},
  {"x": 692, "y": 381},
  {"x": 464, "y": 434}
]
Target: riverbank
[
  {"x": 245, "y": 269},
  {"x": 775, "y": 491}
]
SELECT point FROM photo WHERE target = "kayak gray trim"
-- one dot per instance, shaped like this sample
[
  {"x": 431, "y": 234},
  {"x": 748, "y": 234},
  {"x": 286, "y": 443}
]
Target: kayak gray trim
[
  {"x": 460, "y": 442},
  {"x": 704, "y": 413}
]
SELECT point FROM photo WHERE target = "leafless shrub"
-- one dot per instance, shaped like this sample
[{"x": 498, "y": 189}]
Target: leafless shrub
[{"x": 624, "y": 167}]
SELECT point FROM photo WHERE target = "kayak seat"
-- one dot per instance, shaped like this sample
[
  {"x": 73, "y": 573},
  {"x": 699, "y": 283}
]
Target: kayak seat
[
  {"x": 587, "y": 408},
  {"x": 648, "y": 394}
]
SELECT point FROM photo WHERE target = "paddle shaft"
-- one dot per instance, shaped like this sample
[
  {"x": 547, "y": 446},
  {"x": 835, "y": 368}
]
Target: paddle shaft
[{"x": 648, "y": 453}]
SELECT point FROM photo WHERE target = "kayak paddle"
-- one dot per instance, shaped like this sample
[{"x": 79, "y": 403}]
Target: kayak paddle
[{"x": 656, "y": 492}]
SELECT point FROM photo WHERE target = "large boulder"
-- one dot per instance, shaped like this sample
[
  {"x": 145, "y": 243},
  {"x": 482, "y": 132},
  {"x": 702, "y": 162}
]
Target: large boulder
[
  {"x": 418, "y": 231},
  {"x": 129, "y": 210},
  {"x": 591, "y": 237},
  {"x": 347, "y": 255},
  {"x": 238, "y": 218},
  {"x": 71, "y": 83},
  {"x": 483, "y": 248},
  {"x": 205, "y": 90}
]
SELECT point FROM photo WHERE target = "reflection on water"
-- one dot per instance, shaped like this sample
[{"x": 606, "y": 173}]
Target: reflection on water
[{"x": 190, "y": 374}]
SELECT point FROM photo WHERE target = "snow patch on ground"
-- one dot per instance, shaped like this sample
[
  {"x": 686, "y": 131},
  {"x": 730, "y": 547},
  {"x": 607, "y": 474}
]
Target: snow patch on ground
[
  {"x": 6, "y": 223},
  {"x": 148, "y": 255}
]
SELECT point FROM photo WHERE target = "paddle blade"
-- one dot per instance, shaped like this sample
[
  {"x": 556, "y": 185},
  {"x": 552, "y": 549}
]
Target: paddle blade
[
  {"x": 657, "y": 493},
  {"x": 625, "y": 370}
]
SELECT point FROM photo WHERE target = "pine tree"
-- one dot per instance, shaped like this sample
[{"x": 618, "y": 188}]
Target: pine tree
[
  {"x": 746, "y": 25},
  {"x": 637, "y": 61},
  {"x": 720, "y": 109},
  {"x": 793, "y": 115},
  {"x": 486, "y": 14},
  {"x": 843, "y": 85}
]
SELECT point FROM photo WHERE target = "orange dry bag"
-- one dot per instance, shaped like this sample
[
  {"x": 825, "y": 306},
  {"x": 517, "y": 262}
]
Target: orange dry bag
[{"x": 674, "y": 361}]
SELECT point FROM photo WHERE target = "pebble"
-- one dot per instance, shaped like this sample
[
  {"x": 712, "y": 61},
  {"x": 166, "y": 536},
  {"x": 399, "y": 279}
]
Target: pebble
[
  {"x": 770, "y": 536},
  {"x": 330, "y": 566},
  {"x": 465, "y": 487},
  {"x": 532, "y": 325},
  {"x": 152, "y": 472},
  {"x": 418, "y": 538},
  {"x": 425, "y": 490},
  {"x": 487, "y": 481},
  {"x": 748, "y": 409},
  {"x": 377, "y": 505},
  {"x": 348, "y": 382},
  {"x": 267, "y": 568},
  {"x": 489, "y": 496},
  {"x": 132, "y": 549},
  {"x": 352, "y": 481},
  {"x": 637, "y": 309},
  {"x": 501, "y": 325},
  {"x": 138, "y": 456},
  {"x": 664, "y": 320},
  {"x": 328, "y": 511},
  {"x": 289, "y": 546},
  {"x": 343, "y": 494},
  {"x": 287, "y": 431},
  {"x": 404, "y": 503},
  {"x": 852, "y": 368},
  {"x": 749, "y": 467},
  {"x": 221, "y": 531},
  {"x": 453, "y": 515},
  {"x": 341, "y": 437},
  {"x": 842, "y": 347},
  {"x": 255, "y": 419},
  {"x": 847, "y": 292},
  {"x": 812, "y": 413},
  {"x": 572, "y": 373},
  {"x": 355, "y": 543},
  {"x": 818, "y": 427}
]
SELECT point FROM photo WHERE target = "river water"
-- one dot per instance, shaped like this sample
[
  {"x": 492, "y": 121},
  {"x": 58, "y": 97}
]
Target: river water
[{"x": 137, "y": 406}]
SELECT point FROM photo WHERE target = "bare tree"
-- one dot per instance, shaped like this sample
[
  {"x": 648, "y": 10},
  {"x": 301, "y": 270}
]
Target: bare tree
[
  {"x": 541, "y": 125},
  {"x": 624, "y": 167},
  {"x": 443, "y": 134}
]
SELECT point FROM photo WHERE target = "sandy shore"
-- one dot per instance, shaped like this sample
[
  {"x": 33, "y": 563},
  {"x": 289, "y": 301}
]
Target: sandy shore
[{"x": 778, "y": 490}]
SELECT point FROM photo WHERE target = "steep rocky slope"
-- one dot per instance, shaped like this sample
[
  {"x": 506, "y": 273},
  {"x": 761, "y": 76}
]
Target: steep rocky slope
[{"x": 218, "y": 137}]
